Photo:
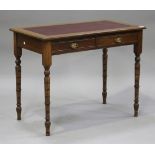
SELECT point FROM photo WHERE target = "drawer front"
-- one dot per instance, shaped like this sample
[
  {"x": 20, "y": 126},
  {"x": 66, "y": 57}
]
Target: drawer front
[
  {"x": 73, "y": 45},
  {"x": 117, "y": 40}
]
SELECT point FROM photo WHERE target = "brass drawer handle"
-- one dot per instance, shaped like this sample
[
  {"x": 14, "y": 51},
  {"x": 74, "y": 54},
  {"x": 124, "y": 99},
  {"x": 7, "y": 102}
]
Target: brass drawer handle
[
  {"x": 118, "y": 40},
  {"x": 74, "y": 45}
]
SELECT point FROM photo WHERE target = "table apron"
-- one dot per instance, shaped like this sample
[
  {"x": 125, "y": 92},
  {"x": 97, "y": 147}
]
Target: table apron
[{"x": 76, "y": 45}]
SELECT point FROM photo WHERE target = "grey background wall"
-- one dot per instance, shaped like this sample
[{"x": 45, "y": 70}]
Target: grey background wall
[{"x": 77, "y": 113}]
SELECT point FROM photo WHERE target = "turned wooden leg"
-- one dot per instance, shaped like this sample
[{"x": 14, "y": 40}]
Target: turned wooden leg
[
  {"x": 18, "y": 87},
  {"x": 104, "y": 61},
  {"x": 137, "y": 51},
  {"x": 47, "y": 100},
  {"x": 18, "y": 54},
  {"x": 46, "y": 59},
  {"x": 137, "y": 77}
]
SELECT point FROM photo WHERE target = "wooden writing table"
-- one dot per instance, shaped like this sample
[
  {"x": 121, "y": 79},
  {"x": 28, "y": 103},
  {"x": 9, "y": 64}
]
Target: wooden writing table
[{"x": 68, "y": 38}]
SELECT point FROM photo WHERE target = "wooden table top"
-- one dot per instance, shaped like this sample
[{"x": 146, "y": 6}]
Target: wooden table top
[{"x": 75, "y": 29}]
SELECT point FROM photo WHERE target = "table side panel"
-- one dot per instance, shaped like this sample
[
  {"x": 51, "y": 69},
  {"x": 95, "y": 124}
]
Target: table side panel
[{"x": 29, "y": 43}]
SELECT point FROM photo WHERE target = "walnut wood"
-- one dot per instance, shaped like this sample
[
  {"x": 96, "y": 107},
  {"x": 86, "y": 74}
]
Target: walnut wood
[
  {"x": 105, "y": 59},
  {"x": 18, "y": 54},
  {"x": 83, "y": 39},
  {"x": 137, "y": 76},
  {"x": 137, "y": 51},
  {"x": 46, "y": 61}
]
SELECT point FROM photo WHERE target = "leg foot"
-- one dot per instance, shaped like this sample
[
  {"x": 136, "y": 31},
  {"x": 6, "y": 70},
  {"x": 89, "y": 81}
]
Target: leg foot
[
  {"x": 18, "y": 110},
  {"x": 47, "y": 125},
  {"x": 136, "y": 114}
]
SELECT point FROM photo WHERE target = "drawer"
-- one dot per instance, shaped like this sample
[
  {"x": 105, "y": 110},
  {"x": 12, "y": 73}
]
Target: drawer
[
  {"x": 73, "y": 45},
  {"x": 116, "y": 40}
]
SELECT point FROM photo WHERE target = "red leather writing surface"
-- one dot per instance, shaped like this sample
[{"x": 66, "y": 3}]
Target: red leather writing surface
[{"x": 76, "y": 28}]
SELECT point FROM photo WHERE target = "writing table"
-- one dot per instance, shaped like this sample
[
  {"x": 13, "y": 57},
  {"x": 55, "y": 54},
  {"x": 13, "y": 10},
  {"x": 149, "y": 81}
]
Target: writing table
[{"x": 68, "y": 38}]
